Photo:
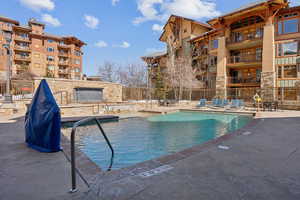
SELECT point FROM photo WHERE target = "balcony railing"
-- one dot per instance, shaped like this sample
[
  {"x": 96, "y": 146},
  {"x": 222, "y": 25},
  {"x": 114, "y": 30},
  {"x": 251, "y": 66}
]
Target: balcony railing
[
  {"x": 63, "y": 62},
  {"x": 6, "y": 27},
  {"x": 237, "y": 80},
  {"x": 200, "y": 52},
  {"x": 22, "y": 48},
  {"x": 22, "y": 57},
  {"x": 245, "y": 37},
  {"x": 249, "y": 58},
  {"x": 65, "y": 54},
  {"x": 17, "y": 37},
  {"x": 63, "y": 71}
]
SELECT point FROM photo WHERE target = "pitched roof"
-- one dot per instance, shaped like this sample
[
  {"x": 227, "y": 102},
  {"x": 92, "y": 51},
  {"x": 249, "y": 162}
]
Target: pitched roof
[
  {"x": 191, "y": 20},
  {"x": 246, "y": 7}
]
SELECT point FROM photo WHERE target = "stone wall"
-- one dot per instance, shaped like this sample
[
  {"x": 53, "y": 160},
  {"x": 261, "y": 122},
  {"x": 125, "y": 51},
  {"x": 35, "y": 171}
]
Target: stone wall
[
  {"x": 112, "y": 92},
  {"x": 221, "y": 91},
  {"x": 268, "y": 80}
]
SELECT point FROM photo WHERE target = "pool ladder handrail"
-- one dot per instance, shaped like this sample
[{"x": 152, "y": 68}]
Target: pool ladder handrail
[{"x": 73, "y": 165}]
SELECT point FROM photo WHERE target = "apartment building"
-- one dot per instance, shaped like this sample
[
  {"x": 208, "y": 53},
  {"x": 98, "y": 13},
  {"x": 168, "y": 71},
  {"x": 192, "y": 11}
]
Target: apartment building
[
  {"x": 176, "y": 35},
  {"x": 253, "y": 47},
  {"x": 33, "y": 51}
]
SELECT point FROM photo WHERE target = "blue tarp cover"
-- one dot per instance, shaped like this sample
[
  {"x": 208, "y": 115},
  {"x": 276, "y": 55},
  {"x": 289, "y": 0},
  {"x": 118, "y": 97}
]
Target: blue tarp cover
[{"x": 42, "y": 121}]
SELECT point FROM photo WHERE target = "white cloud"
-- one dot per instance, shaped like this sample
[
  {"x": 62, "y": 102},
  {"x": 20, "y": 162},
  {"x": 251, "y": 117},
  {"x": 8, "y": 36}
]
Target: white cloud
[
  {"x": 160, "y": 10},
  {"x": 49, "y": 19},
  {"x": 38, "y": 4},
  {"x": 114, "y": 2},
  {"x": 157, "y": 27},
  {"x": 91, "y": 21},
  {"x": 124, "y": 45},
  {"x": 154, "y": 50},
  {"x": 295, "y": 2},
  {"x": 101, "y": 44}
]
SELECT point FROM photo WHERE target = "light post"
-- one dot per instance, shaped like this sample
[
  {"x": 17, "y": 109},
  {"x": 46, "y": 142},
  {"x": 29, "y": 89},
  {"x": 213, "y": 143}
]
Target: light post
[{"x": 8, "y": 96}]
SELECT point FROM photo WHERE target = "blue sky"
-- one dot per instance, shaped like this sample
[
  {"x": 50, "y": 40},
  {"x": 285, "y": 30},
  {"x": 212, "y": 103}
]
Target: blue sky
[{"x": 114, "y": 30}]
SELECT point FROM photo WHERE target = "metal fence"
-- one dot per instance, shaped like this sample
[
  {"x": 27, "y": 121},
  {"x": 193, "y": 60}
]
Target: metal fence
[
  {"x": 20, "y": 89},
  {"x": 283, "y": 95}
]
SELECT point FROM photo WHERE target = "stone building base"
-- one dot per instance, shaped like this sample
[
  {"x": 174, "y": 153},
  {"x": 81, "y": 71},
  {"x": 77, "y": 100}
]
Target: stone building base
[
  {"x": 221, "y": 90},
  {"x": 268, "y": 86}
]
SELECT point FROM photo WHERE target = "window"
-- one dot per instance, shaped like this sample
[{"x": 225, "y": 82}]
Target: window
[
  {"x": 258, "y": 53},
  {"x": 50, "y": 41},
  {"x": 286, "y": 49},
  {"x": 214, "y": 44},
  {"x": 290, "y": 71},
  {"x": 50, "y": 49},
  {"x": 76, "y": 61},
  {"x": 279, "y": 72},
  {"x": 288, "y": 26},
  {"x": 77, "y": 53},
  {"x": 51, "y": 67},
  {"x": 50, "y": 58},
  {"x": 77, "y": 70}
]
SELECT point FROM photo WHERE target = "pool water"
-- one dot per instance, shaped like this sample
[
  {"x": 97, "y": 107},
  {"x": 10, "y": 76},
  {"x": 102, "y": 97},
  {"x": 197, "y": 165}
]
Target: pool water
[{"x": 139, "y": 139}]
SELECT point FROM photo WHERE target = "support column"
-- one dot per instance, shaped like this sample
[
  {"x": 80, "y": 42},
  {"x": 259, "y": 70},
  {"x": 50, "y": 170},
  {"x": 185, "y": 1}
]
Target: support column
[
  {"x": 268, "y": 75},
  {"x": 221, "y": 82}
]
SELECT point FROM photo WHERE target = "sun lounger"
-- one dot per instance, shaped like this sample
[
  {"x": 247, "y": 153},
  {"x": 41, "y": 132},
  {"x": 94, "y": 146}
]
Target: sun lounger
[{"x": 202, "y": 103}]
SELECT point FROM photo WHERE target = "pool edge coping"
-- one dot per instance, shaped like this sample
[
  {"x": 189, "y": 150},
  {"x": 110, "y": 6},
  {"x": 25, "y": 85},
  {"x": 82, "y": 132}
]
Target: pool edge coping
[{"x": 89, "y": 170}]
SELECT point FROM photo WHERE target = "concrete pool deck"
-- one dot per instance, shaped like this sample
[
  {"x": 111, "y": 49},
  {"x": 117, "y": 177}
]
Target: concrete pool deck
[
  {"x": 28, "y": 174},
  {"x": 262, "y": 162}
]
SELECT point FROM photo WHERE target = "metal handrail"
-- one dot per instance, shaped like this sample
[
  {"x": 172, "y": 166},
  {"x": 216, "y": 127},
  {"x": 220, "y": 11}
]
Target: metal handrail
[{"x": 73, "y": 165}]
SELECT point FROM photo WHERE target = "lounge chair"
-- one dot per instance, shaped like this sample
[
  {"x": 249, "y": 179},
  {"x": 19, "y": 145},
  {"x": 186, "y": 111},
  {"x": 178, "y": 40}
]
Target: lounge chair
[{"x": 202, "y": 103}]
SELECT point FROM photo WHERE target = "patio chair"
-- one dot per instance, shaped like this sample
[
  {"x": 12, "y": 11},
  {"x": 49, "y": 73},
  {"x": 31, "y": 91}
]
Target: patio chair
[
  {"x": 235, "y": 103},
  {"x": 202, "y": 103}
]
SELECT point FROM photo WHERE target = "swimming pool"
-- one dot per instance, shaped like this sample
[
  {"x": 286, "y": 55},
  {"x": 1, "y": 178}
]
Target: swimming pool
[{"x": 139, "y": 139}]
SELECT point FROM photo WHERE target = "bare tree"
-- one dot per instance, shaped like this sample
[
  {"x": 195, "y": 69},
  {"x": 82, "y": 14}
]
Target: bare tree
[
  {"x": 108, "y": 71},
  {"x": 131, "y": 75}
]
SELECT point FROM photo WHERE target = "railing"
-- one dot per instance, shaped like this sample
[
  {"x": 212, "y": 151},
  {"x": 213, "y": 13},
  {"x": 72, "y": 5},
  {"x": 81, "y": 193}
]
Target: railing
[
  {"x": 22, "y": 57},
  {"x": 22, "y": 47},
  {"x": 199, "y": 52},
  {"x": 73, "y": 163},
  {"x": 22, "y": 38},
  {"x": 65, "y": 54},
  {"x": 244, "y": 37},
  {"x": 234, "y": 80},
  {"x": 245, "y": 58},
  {"x": 63, "y": 62},
  {"x": 65, "y": 71}
]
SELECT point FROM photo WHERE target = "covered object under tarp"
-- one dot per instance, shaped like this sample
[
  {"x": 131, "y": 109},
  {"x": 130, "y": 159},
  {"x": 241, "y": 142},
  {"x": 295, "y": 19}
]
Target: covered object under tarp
[{"x": 42, "y": 121}]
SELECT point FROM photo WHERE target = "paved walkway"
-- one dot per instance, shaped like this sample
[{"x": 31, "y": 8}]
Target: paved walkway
[{"x": 28, "y": 174}]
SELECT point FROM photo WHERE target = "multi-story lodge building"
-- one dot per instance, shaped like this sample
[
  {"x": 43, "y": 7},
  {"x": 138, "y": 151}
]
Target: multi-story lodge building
[
  {"x": 35, "y": 51},
  {"x": 254, "y": 48}
]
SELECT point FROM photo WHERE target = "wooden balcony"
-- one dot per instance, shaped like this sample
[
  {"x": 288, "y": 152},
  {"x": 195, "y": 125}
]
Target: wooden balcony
[
  {"x": 22, "y": 39},
  {"x": 22, "y": 48},
  {"x": 63, "y": 63},
  {"x": 245, "y": 60},
  {"x": 63, "y": 46},
  {"x": 198, "y": 53},
  {"x": 243, "y": 82},
  {"x": 22, "y": 58},
  {"x": 245, "y": 41},
  {"x": 6, "y": 27},
  {"x": 64, "y": 71},
  {"x": 62, "y": 54}
]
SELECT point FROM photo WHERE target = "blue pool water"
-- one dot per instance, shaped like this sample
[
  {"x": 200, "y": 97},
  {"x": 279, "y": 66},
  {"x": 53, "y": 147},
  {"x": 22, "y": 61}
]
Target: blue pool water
[{"x": 140, "y": 139}]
